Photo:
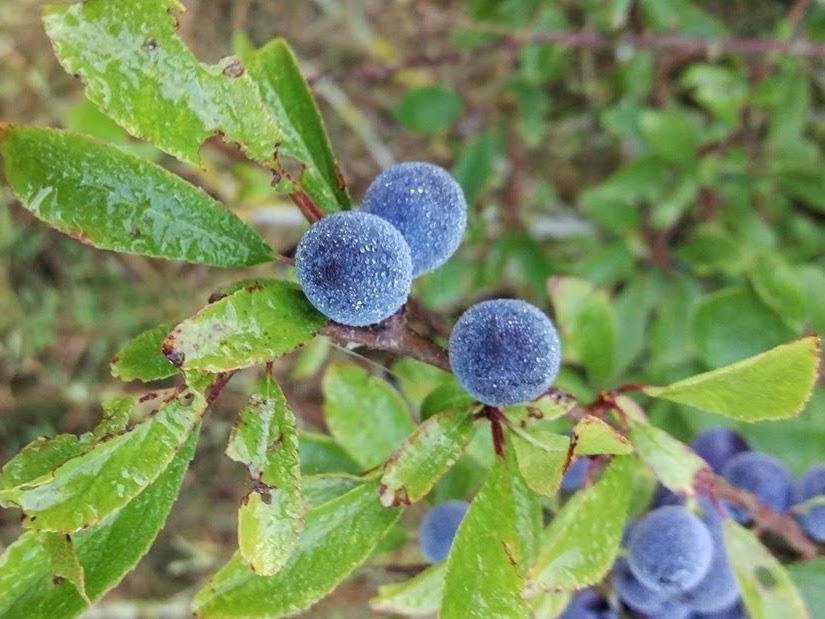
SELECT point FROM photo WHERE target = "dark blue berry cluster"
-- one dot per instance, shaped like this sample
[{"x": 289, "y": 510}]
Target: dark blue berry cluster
[{"x": 357, "y": 267}]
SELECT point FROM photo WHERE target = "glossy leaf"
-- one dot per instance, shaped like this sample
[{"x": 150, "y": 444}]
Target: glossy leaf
[
  {"x": 767, "y": 589},
  {"x": 248, "y": 327},
  {"x": 104, "y": 197},
  {"x": 581, "y": 542},
  {"x": 319, "y": 489},
  {"x": 107, "y": 551},
  {"x": 673, "y": 462},
  {"x": 420, "y": 595},
  {"x": 339, "y": 535},
  {"x": 772, "y": 385},
  {"x": 141, "y": 358},
  {"x": 64, "y": 561},
  {"x": 541, "y": 456},
  {"x": 550, "y": 604},
  {"x": 137, "y": 69},
  {"x": 89, "y": 487},
  {"x": 289, "y": 101},
  {"x": 272, "y": 516},
  {"x": 587, "y": 322},
  {"x": 420, "y": 461},
  {"x": 364, "y": 413},
  {"x": 486, "y": 564},
  {"x": 595, "y": 436}
]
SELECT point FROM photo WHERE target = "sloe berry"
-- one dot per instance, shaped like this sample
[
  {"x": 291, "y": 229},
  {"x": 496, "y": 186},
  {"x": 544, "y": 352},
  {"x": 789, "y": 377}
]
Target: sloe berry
[
  {"x": 439, "y": 527},
  {"x": 670, "y": 549},
  {"x": 355, "y": 268},
  {"x": 761, "y": 474},
  {"x": 718, "y": 445},
  {"x": 426, "y": 204},
  {"x": 809, "y": 486},
  {"x": 504, "y": 351}
]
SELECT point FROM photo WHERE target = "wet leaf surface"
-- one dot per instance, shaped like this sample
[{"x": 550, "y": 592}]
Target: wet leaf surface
[{"x": 107, "y": 198}]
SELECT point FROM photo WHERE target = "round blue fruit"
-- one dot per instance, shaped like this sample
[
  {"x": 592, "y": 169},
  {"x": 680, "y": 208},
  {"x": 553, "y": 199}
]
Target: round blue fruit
[
  {"x": 588, "y": 604},
  {"x": 426, "y": 205},
  {"x": 439, "y": 527},
  {"x": 811, "y": 517},
  {"x": 355, "y": 268},
  {"x": 504, "y": 351},
  {"x": 633, "y": 593},
  {"x": 735, "y": 611},
  {"x": 719, "y": 589},
  {"x": 670, "y": 550},
  {"x": 718, "y": 445},
  {"x": 761, "y": 474},
  {"x": 576, "y": 475}
]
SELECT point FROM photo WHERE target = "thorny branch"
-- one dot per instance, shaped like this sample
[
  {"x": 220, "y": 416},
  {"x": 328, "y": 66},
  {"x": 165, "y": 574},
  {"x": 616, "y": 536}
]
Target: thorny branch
[{"x": 392, "y": 335}]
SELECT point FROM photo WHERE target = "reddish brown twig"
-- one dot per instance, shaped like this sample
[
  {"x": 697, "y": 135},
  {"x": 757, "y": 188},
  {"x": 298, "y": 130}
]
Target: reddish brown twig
[
  {"x": 763, "y": 516},
  {"x": 392, "y": 335}
]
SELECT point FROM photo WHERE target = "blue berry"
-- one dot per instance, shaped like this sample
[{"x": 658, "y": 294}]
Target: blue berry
[
  {"x": 427, "y": 206},
  {"x": 664, "y": 496},
  {"x": 811, "y": 517},
  {"x": 634, "y": 594},
  {"x": 671, "y": 609},
  {"x": 718, "y": 445},
  {"x": 719, "y": 589},
  {"x": 588, "y": 604},
  {"x": 670, "y": 550},
  {"x": 354, "y": 267},
  {"x": 576, "y": 475},
  {"x": 504, "y": 351},
  {"x": 439, "y": 527},
  {"x": 735, "y": 611},
  {"x": 761, "y": 474}
]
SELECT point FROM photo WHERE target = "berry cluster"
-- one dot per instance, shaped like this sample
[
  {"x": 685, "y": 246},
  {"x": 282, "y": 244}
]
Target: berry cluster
[
  {"x": 674, "y": 565},
  {"x": 357, "y": 267}
]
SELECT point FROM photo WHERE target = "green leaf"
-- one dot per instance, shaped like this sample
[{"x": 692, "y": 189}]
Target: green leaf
[
  {"x": 486, "y": 564},
  {"x": 320, "y": 489},
  {"x": 289, "y": 101},
  {"x": 449, "y": 396},
  {"x": 106, "y": 551},
  {"x": 732, "y": 324},
  {"x": 673, "y": 463},
  {"x": 773, "y": 385},
  {"x": 420, "y": 595},
  {"x": 475, "y": 165},
  {"x": 321, "y": 454},
  {"x": 541, "y": 456},
  {"x": 808, "y": 576},
  {"x": 767, "y": 589},
  {"x": 364, "y": 413},
  {"x": 587, "y": 322},
  {"x": 248, "y": 327},
  {"x": 594, "y": 436},
  {"x": 64, "y": 561},
  {"x": 670, "y": 133},
  {"x": 271, "y": 516},
  {"x": 141, "y": 358},
  {"x": 551, "y": 405},
  {"x": 338, "y": 536},
  {"x": 420, "y": 461},
  {"x": 779, "y": 288},
  {"x": 582, "y": 541},
  {"x": 137, "y": 69},
  {"x": 89, "y": 487},
  {"x": 550, "y": 604},
  {"x": 417, "y": 380},
  {"x": 429, "y": 109},
  {"x": 104, "y": 197}
]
